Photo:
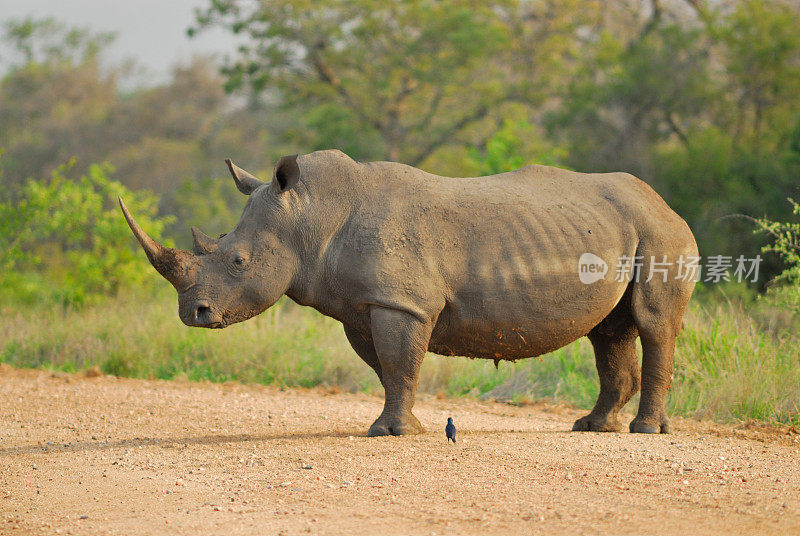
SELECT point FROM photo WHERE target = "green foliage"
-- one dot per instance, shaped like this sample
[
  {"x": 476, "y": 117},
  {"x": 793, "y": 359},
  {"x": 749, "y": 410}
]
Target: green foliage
[
  {"x": 785, "y": 291},
  {"x": 513, "y": 146},
  {"x": 401, "y": 79},
  {"x": 633, "y": 91},
  {"x": 762, "y": 59},
  {"x": 68, "y": 236}
]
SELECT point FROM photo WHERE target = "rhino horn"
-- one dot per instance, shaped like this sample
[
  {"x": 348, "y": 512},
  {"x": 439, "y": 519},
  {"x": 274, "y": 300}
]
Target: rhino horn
[
  {"x": 173, "y": 264},
  {"x": 245, "y": 182},
  {"x": 203, "y": 244}
]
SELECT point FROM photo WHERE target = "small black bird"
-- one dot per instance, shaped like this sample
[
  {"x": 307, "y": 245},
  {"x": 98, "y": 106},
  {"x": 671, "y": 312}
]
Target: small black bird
[{"x": 450, "y": 430}]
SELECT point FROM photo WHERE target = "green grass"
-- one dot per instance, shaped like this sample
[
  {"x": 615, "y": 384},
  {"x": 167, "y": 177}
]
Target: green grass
[{"x": 728, "y": 366}]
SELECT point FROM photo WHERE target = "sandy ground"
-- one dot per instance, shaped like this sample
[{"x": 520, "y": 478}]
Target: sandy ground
[{"x": 115, "y": 456}]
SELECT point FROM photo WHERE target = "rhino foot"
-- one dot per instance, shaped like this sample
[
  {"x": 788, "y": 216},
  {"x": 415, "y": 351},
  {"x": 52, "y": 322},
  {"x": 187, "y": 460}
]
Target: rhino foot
[
  {"x": 406, "y": 424},
  {"x": 650, "y": 426},
  {"x": 597, "y": 423}
]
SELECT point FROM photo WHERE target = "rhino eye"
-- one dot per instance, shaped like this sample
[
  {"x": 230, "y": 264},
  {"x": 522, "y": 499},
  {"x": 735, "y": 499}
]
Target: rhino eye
[{"x": 238, "y": 261}]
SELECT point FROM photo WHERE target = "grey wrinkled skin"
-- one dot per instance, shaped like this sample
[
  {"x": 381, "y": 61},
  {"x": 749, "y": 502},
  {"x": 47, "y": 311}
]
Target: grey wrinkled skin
[{"x": 483, "y": 267}]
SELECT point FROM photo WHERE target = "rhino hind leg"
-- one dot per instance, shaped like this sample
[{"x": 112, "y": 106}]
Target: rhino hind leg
[
  {"x": 400, "y": 341},
  {"x": 657, "y": 307},
  {"x": 614, "y": 343}
]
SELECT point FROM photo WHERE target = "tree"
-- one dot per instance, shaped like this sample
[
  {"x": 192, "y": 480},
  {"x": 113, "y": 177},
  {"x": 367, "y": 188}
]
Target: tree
[
  {"x": 698, "y": 103},
  {"x": 635, "y": 90},
  {"x": 57, "y": 104},
  {"x": 398, "y": 80},
  {"x": 762, "y": 69},
  {"x": 51, "y": 99}
]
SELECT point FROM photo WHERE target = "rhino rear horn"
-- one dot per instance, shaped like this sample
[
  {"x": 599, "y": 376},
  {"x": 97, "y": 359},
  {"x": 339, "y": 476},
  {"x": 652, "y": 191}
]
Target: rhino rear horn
[
  {"x": 203, "y": 244},
  {"x": 245, "y": 182}
]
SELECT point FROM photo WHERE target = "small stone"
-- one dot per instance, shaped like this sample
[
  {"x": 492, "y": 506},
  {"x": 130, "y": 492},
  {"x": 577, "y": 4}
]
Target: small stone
[
  {"x": 94, "y": 372},
  {"x": 568, "y": 476}
]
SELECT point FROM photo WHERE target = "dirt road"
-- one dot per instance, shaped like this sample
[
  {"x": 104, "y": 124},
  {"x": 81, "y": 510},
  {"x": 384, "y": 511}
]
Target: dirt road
[{"x": 114, "y": 456}]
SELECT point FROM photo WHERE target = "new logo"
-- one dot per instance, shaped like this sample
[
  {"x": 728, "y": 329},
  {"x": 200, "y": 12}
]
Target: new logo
[{"x": 591, "y": 268}]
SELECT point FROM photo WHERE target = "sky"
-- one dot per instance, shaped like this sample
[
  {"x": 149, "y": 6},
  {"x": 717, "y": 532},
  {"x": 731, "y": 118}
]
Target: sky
[{"x": 151, "y": 32}]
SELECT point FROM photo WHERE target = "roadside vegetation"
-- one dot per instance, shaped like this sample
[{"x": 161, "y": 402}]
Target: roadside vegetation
[
  {"x": 700, "y": 103},
  {"x": 729, "y": 366}
]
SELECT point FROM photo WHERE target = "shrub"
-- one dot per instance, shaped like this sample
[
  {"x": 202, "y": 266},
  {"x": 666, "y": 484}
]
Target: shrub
[
  {"x": 785, "y": 289},
  {"x": 65, "y": 239}
]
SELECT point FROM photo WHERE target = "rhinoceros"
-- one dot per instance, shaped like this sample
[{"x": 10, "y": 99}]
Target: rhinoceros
[{"x": 485, "y": 267}]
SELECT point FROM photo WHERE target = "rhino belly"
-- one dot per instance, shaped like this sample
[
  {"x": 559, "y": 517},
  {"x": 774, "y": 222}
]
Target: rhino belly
[{"x": 516, "y": 327}]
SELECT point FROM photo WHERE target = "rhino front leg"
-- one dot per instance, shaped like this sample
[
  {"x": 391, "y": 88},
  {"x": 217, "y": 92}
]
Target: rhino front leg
[
  {"x": 400, "y": 342},
  {"x": 365, "y": 349}
]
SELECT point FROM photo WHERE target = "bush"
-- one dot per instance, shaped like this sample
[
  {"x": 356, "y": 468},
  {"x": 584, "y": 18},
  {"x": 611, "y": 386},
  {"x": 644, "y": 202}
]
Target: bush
[
  {"x": 511, "y": 148},
  {"x": 784, "y": 291},
  {"x": 65, "y": 239}
]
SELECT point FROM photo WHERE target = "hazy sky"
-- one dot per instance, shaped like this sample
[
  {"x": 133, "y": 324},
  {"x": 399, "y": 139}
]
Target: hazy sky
[{"x": 152, "y": 32}]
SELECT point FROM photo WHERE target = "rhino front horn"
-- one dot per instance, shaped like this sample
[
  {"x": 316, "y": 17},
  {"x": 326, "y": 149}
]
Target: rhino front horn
[
  {"x": 173, "y": 264},
  {"x": 245, "y": 182}
]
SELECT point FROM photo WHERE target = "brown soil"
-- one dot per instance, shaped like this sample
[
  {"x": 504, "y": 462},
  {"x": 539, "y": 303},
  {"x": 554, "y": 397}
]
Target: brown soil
[{"x": 101, "y": 455}]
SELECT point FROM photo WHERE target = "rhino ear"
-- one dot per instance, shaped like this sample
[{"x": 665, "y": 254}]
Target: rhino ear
[
  {"x": 287, "y": 173},
  {"x": 245, "y": 182}
]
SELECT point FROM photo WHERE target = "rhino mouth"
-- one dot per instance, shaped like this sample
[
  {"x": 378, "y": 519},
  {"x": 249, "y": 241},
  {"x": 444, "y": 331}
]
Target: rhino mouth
[{"x": 213, "y": 324}]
